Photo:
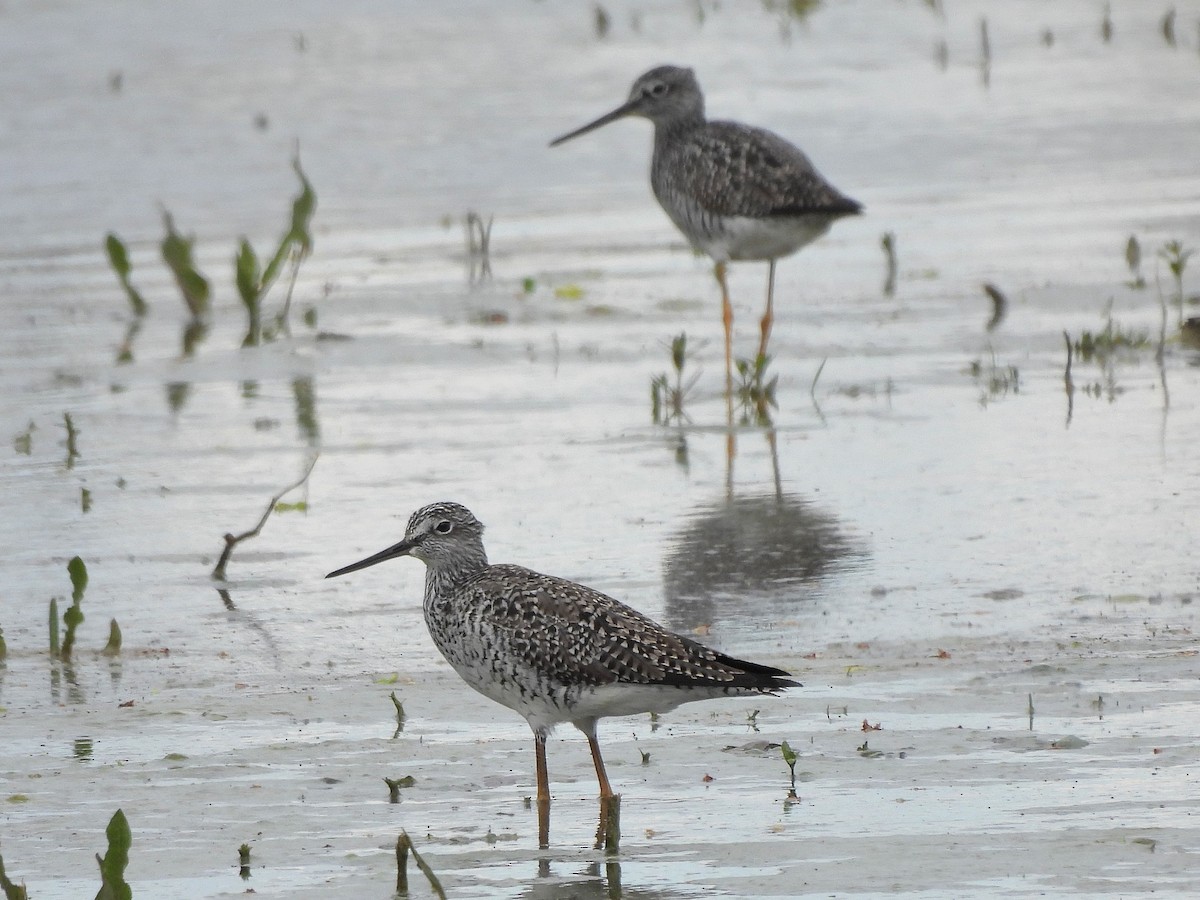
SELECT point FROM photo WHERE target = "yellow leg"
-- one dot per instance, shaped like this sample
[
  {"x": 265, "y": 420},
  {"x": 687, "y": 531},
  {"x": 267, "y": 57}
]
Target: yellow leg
[
  {"x": 727, "y": 319},
  {"x": 543, "y": 792},
  {"x": 608, "y": 830},
  {"x": 606, "y": 790},
  {"x": 768, "y": 318}
]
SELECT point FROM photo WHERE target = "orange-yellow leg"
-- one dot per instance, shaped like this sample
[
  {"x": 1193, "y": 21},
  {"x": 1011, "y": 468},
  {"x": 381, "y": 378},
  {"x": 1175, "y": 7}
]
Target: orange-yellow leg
[
  {"x": 768, "y": 318},
  {"x": 543, "y": 792},
  {"x": 606, "y": 790},
  {"x": 607, "y": 836},
  {"x": 727, "y": 319}
]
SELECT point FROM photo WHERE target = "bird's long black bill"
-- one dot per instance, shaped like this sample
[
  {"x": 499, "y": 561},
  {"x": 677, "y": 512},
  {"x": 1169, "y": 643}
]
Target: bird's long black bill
[
  {"x": 400, "y": 549},
  {"x": 619, "y": 113}
]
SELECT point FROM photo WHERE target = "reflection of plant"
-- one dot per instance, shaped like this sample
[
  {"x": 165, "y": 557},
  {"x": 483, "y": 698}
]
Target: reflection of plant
[
  {"x": 1104, "y": 344},
  {"x": 72, "y": 440},
  {"x": 888, "y": 243},
  {"x": 1176, "y": 257},
  {"x": 995, "y": 379},
  {"x": 667, "y": 396},
  {"x": 756, "y": 394},
  {"x": 1104, "y": 348},
  {"x": 1133, "y": 259},
  {"x": 479, "y": 246}
]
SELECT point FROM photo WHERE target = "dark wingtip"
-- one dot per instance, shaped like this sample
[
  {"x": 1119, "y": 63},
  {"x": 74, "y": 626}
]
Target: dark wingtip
[{"x": 757, "y": 675}]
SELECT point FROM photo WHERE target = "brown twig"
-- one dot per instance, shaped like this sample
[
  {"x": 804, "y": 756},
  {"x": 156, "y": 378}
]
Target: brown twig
[{"x": 231, "y": 541}]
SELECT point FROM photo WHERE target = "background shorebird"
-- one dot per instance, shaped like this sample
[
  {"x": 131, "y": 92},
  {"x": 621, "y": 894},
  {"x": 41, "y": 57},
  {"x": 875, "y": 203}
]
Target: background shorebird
[
  {"x": 553, "y": 650},
  {"x": 735, "y": 191}
]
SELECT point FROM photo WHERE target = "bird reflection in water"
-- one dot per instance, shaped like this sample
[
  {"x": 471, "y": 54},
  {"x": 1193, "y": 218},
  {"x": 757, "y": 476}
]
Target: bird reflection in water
[
  {"x": 599, "y": 881},
  {"x": 765, "y": 545}
]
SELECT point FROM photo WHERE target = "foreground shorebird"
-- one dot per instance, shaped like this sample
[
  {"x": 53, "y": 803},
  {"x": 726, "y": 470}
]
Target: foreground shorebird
[
  {"x": 553, "y": 650},
  {"x": 735, "y": 191}
]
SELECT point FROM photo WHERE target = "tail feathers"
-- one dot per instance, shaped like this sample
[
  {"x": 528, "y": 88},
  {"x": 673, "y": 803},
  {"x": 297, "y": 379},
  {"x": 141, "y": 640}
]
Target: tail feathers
[{"x": 756, "y": 675}]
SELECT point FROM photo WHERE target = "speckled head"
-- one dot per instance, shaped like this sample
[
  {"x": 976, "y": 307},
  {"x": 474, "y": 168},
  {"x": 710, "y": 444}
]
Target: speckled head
[
  {"x": 441, "y": 529},
  {"x": 665, "y": 95},
  {"x": 440, "y": 533}
]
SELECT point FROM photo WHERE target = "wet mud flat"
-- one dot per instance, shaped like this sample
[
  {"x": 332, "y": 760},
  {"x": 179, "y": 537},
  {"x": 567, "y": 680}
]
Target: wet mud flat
[
  {"x": 979, "y": 562},
  {"x": 921, "y": 769}
]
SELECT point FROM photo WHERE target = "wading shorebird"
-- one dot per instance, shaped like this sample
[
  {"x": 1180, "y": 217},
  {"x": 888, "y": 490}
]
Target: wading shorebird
[
  {"x": 735, "y": 191},
  {"x": 552, "y": 650}
]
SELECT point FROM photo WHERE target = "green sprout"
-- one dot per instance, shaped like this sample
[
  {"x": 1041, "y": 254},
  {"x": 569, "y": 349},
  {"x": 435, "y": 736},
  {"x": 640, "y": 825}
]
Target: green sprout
[
  {"x": 177, "y": 254},
  {"x": 118, "y": 258},
  {"x": 114, "y": 861},
  {"x": 789, "y": 757}
]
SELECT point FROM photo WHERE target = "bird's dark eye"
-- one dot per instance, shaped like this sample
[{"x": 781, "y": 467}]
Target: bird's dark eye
[
  {"x": 657, "y": 89},
  {"x": 443, "y": 527}
]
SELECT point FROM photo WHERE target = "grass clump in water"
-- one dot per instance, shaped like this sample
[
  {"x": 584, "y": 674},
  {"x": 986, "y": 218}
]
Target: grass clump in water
[
  {"x": 755, "y": 391},
  {"x": 669, "y": 395}
]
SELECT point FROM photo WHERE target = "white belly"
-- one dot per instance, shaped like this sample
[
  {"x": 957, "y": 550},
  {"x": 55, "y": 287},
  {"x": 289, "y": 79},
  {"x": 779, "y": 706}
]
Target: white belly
[{"x": 740, "y": 237}]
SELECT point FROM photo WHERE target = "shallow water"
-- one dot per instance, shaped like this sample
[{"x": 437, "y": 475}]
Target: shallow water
[{"x": 929, "y": 549}]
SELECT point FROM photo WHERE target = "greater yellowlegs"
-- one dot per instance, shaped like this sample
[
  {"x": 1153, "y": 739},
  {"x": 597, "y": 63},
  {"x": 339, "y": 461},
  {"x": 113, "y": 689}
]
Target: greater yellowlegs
[
  {"x": 735, "y": 191},
  {"x": 553, "y": 650}
]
